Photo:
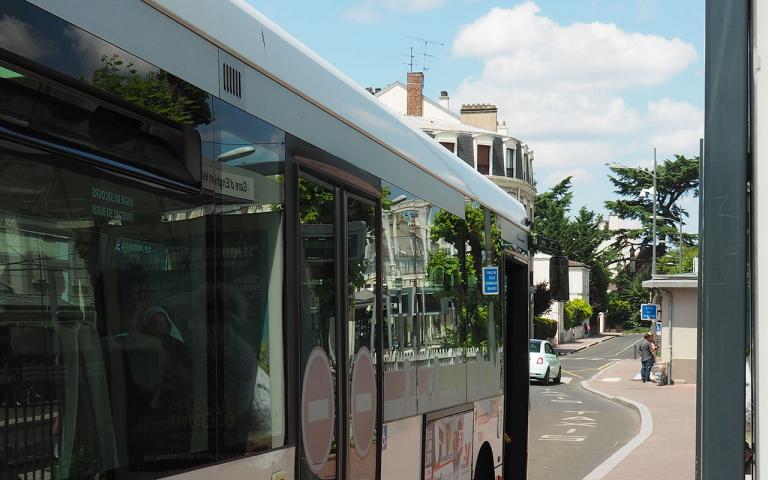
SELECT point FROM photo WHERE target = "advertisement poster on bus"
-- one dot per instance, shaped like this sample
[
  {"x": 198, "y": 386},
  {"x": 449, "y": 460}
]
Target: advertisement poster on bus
[
  {"x": 489, "y": 426},
  {"x": 448, "y": 448}
]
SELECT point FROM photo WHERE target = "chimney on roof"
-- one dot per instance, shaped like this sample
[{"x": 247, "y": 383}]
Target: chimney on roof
[
  {"x": 445, "y": 101},
  {"x": 481, "y": 115},
  {"x": 415, "y": 94}
]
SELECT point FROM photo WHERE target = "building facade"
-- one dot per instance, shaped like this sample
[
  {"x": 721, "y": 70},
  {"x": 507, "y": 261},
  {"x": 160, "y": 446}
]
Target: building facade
[{"x": 475, "y": 135}]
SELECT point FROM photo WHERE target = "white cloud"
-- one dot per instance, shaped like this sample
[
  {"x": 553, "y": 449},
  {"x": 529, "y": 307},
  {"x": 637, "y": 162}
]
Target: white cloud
[
  {"x": 21, "y": 38},
  {"x": 363, "y": 13},
  {"x": 412, "y": 5},
  {"x": 566, "y": 89},
  {"x": 557, "y": 154},
  {"x": 676, "y": 127},
  {"x": 579, "y": 175},
  {"x": 372, "y": 11},
  {"x": 523, "y": 48}
]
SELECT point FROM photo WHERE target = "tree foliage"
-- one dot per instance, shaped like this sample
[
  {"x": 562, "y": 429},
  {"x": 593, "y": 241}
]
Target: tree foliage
[
  {"x": 576, "y": 311},
  {"x": 580, "y": 238},
  {"x": 542, "y": 299},
  {"x": 551, "y": 209},
  {"x": 670, "y": 262},
  {"x": 619, "y": 311},
  {"x": 675, "y": 178}
]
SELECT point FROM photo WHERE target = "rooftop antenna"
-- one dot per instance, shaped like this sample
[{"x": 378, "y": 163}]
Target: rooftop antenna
[
  {"x": 410, "y": 63},
  {"x": 424, "y": 54}
]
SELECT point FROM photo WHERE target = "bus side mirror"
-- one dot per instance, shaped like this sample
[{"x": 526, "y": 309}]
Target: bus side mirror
[{"x": 558, "y": 278}]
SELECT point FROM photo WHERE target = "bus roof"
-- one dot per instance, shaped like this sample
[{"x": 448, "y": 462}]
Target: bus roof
[{"x": 247, "y": 34}]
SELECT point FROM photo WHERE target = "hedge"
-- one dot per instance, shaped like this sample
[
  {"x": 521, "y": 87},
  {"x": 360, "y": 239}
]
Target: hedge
[
  {"x": 544, "y": 328},
  {"x": 577, "y": 311}
]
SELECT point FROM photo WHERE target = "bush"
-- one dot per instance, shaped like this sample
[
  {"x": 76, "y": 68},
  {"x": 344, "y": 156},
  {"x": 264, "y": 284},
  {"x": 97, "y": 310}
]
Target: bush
[
  {"x": 544, "y": 328},
  {"x": 630, "y": 325},
  {"x": 577, "y": 311}
]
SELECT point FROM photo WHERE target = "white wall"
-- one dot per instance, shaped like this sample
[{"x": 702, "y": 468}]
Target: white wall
[
  {"x": 396, "y": 99},
  {"x": 578, "y": 283},
  {"x": 684, "y": 321},
  {"x": 578, "y": 287}
]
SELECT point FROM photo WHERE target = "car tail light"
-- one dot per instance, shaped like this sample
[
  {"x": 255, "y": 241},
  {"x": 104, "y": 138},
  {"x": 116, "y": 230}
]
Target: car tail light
[{"x": 540, "y": 361}]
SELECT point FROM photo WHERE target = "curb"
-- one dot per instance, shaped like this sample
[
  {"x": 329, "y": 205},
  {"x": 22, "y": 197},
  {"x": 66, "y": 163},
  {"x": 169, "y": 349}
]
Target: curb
[
  {"x": 646, "y": 428},
  {"x": 571, "y": 352}
]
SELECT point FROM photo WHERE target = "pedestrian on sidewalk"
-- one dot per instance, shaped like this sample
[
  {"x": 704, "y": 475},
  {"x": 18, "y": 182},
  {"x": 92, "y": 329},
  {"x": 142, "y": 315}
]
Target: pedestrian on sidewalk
[{"x": 646, "y": 357}]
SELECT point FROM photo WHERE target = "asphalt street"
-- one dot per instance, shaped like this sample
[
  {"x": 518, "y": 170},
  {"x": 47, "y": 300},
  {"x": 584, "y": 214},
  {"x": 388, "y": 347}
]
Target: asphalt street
[{"x": 571, "y": 430}]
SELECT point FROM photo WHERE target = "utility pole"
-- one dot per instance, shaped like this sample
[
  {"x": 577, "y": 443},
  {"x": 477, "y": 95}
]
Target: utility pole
[
  {"x": 653, "y": 261},
  {"x": 681, "y": 241}
]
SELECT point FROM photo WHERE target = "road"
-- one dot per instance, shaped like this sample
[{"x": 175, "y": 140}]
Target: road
[{"x": 572, "y": 431}]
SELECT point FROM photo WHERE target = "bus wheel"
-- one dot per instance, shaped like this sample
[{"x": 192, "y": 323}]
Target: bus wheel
[{"x": 484, "y": 463}]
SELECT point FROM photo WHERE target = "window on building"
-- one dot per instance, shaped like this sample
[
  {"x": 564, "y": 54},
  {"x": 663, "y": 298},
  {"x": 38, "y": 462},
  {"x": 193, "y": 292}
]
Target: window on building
[
  {"x": 483, "y": 159},
  {"x": 449, "y": 145},
  {"x": 509, "y": 163}
]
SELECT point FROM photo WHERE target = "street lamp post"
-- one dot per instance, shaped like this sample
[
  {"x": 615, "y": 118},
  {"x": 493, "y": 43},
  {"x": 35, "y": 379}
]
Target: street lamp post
[
  {"x": 653, "y": 261},
  {"x": 653, "y": 245}
]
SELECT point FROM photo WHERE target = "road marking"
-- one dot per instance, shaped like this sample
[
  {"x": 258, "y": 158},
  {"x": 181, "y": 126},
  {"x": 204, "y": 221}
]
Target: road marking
[
  {"x": 627, "y": 347},
  {"x": 567, "y": 401},
  {"x": 637, "y": 377},
  {"x": 563, "y": 438},
  {"x": 646, "y": 428},
  {"x": 609, "y": 364},
  {"x": 580, "y": 417},
  {"x": 611, "y": 379},
  {"x": 575, "y": 375},
  {"x": 565, "y": 380},
  {"x": 570, "y": 431}
]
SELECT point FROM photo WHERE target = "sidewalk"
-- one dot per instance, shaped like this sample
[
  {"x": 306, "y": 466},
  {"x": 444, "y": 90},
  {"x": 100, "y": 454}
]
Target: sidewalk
[
  {"x": 670, "y": 425},
  {"x": 580, "y": 344}
]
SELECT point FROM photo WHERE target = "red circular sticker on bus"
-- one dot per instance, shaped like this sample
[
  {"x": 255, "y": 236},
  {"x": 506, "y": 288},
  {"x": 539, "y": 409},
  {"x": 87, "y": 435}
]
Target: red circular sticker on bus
[
  {"x": 363, "y": 401},
  {"x": 317, "y": 410}
]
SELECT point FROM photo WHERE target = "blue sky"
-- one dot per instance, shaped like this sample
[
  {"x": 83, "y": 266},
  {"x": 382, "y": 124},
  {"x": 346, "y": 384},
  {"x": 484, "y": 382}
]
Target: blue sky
[{"x": 583, "y": 82}]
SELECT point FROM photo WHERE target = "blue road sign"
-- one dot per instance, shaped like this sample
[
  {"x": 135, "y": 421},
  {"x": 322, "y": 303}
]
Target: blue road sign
[
  {"x": 658, "y": 328},
  {"x": 649, "y": 311},
  {"x": 490, "y": 280}
]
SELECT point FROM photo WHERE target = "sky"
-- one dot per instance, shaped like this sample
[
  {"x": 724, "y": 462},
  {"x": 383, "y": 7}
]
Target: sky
[{"x": 582, "y": 82}]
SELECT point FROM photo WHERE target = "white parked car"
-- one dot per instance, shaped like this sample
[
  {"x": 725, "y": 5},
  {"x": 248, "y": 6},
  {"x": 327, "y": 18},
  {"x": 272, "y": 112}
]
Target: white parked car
[{"x": 543, "y": 363}]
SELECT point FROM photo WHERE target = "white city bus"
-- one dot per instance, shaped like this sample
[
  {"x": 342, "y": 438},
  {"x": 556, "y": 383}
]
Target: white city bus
[{"x": 220, "y": 258}]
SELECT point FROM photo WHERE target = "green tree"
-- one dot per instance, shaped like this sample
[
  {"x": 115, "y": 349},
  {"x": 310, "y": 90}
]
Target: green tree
[
  {"x": 551, "y": 210},
  {"x": 577, "y": 311},
  {"x": 675, "y": 178},
  {"x": 580, "y": 238},
  {"x": 542, "y": 299},
  {"x": 619, "y": 311},
  {"x": 670, "y": 263}
]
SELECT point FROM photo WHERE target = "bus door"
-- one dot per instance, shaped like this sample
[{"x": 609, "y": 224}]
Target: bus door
[
  {"x": 516, "y": 382},
  {"x": 338, "y": 327}
]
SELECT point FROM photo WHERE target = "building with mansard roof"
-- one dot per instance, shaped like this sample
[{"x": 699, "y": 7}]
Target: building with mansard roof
[{"x": 475, "y": 135}]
